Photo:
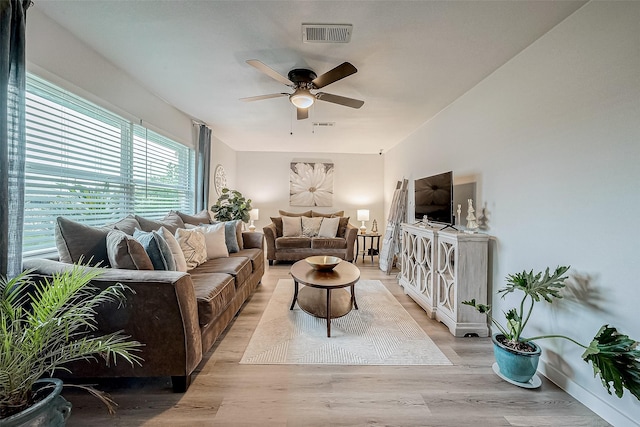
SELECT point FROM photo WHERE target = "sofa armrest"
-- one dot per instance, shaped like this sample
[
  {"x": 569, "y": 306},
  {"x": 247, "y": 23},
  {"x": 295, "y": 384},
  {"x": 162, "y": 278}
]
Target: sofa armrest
[
  {"x": 350, "y": 235},
  {"x": 270, "y": 240},
  {"x": 161, "y": 312},
  {"x": 252, "y": 239}
]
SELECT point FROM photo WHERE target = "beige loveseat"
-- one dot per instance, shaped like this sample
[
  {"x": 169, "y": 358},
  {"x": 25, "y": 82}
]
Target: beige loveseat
[
  {"x": 284, "y": 248},
  {"x": 176, "y": 315}
]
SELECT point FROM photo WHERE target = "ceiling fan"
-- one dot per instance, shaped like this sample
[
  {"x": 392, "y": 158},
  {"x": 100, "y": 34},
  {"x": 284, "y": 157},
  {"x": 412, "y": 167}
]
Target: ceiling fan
[{"x": 303, "y": 81}]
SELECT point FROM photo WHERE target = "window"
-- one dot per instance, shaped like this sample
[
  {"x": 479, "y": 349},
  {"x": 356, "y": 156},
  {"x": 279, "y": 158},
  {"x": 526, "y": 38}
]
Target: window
[{"x": 95, "y": 167}]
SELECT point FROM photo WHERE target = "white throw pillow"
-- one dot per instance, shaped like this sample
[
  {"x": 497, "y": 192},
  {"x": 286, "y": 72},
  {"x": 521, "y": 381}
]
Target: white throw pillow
[
  {"x": 291, "y": 226},
  {"x": 214, "y": 238},
  {"x": 193, "y": 246},
  {"x": 174, "y": 247},
  {"x": 329, "y": 227},
  {"x": 311, "y": 226}
]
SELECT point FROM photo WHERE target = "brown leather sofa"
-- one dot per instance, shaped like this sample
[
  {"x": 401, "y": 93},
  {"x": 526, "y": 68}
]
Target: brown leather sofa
[
  {"x": 281, "y": 248},
  {"x": 177, "y": 316}
]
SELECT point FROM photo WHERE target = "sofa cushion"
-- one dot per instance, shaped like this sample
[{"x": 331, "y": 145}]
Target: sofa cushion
[
  {"x": 214, "y": 292},
  {"x": 328, "y": 243},
  {"x": 311, "y": 226},
  {"x": 193, "y": 246},
  {"x": 174, "y": 246},
  {"x": 201, "y": 217},
  {"x": 157, "y": 249},
  {"x": 171, "y": 224},
  {"x": 342, "y": 226},
  {"x": 328, "y": 215},
  {"x": 255, "y": 255},
  {"x": 239, "y": 267},
  {"x": 127, "y": 224},
  {"x": 291, "y": 226},
  {"x": 293, "y": 243},
  {"x": 329, "y": 227},
  {"x": 126, "y": 252},
  {"x": 285, "y": 213},
  {"x": 76, "y": 241},
  {"x": 174, "y": 218}
]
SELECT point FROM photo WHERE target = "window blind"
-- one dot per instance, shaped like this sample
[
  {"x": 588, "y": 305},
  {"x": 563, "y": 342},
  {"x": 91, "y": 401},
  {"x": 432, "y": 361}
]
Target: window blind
[{"x": 95, "y": 167}]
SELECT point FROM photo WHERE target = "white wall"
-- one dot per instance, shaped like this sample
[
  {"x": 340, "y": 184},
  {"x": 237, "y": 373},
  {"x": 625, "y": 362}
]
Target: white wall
[
  {"x": 56, "y": 55},
  {"x": 221, "y": 154},
  {"x": 264, "y": 178},
  {"x": 552, "y": 140}
]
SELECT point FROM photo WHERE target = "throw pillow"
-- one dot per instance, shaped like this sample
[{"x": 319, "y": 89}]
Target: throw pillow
[
  {"x": 193, "y": 246},
  {"x": 171, "y": 224},
  {"x": 291, "y": 226},
  {"x": 239, "y": 234},
  {"x": 324, "y": 215},
  {"x": 127, "y": 224},
  {"x": 157, "y": 249},
  {"x": 311, "y": 226},
  {"x": 329, "y": 227},
  {"x": 201, "y": 217},
  {"x": 174, "y": 218},
  {"x": 76, "y": 241},
  {"x": 277, "y": 221},
  {"x": 214, "y": 238},
  {"x": 174, "y": 247},
  {"x": 231, "y": 235},
  {"x": 342, "y": 227},
  {"x": 285, "y": 213},
  {"x": 126, "y": 252}
]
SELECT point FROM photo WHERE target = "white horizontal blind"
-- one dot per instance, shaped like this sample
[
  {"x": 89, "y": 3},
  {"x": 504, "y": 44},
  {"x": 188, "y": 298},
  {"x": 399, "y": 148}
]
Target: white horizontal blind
[{"x": 92, "y": 166}]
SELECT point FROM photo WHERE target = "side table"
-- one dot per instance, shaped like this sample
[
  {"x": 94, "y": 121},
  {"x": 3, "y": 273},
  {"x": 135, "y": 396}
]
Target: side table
[{"x": 373, "y": 251}]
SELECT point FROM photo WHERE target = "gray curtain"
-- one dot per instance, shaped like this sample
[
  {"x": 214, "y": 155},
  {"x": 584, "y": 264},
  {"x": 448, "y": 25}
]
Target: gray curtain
[
  {"x": 12, "y": 133},
  {"x": 203, "y": 166}
]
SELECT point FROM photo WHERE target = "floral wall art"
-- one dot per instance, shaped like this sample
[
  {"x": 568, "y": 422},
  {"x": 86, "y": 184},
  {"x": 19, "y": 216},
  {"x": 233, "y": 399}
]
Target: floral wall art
[{"x": 311, "y": 184}]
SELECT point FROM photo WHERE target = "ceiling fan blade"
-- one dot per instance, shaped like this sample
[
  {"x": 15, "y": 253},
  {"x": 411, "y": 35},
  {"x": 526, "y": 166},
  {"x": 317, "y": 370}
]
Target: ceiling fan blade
[
  {"x": 260, "y": 97},
  {"x": 303, "y": 113},
  {"x": 342, "y": 100},
  {"x": 340, "y": 72},
  {"x": 269, "y": 72}
]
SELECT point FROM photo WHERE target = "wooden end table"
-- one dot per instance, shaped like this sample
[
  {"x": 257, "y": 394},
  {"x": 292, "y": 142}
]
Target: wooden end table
[{"x": 323, "y": 294}]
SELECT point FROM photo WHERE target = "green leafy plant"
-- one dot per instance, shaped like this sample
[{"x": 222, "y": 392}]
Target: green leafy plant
[
  {"x": 44, "y": 325},
  {"x": 231, "y": 205},
  {"x": 614, "y": 356}
]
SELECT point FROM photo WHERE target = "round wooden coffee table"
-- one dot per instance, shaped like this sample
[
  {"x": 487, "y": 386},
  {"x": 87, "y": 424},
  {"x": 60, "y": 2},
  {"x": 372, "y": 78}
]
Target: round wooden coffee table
[{"x": 323, "y": 294}]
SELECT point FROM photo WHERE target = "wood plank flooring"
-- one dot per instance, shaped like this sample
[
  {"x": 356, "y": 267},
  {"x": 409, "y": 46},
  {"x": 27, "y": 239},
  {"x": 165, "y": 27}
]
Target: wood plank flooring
[{"x": 225, "y": 393}]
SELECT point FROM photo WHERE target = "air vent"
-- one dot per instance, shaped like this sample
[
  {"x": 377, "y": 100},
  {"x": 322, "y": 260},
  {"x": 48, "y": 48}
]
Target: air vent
[{"x": 326, "y": 33}]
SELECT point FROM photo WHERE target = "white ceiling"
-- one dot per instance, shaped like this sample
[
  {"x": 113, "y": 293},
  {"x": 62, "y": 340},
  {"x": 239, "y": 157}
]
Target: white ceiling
[{"x": 413, "y": 58}]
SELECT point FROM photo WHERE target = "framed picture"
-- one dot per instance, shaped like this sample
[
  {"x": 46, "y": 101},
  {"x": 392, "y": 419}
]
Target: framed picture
[{"x": 311, "y": 184}]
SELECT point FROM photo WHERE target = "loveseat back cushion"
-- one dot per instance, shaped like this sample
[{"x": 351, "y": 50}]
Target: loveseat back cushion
[
  {"x": 293, "y": 243},
  {"x": 326, "y": 215},
  {"x": 238, "y": 267},
  {"x": 171, "y": 223},
  {"x": 285, "y": 213},
  {"x": 126, "y": 252},
  {"x": 214, "y": 292},
  {"x": 127, "y": 224},
  {"x": 77, "y": 241},
  {"x": 328, "y": 243}
]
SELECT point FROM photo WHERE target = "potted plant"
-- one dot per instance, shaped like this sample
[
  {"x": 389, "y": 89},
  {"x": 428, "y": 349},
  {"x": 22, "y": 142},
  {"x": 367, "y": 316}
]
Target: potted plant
[
  {"x": 231, "y": 206},
  {"x": 614, "y": 356},
  {"x": 43, "y": 326}
]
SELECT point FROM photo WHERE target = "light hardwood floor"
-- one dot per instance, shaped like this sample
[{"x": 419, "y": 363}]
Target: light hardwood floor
[{"x": 225, "y": 393}]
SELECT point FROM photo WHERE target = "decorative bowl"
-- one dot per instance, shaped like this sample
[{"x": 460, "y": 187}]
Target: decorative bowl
[{"x": 322, "y": 262}]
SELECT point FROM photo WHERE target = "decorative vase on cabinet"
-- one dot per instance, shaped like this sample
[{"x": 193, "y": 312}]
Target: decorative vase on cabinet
[{"x": 442, "y": 268}]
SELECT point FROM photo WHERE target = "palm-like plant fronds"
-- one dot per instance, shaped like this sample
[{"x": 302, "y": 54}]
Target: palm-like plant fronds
[{"x": 45, "y": 325}]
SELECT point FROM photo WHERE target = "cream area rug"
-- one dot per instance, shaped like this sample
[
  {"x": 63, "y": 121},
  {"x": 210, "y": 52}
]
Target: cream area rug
[{"x": 381, "y": 332}]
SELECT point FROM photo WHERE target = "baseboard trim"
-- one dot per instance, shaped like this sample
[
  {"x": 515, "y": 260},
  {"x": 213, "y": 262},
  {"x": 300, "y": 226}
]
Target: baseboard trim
[{"x": 603, "y": 409}]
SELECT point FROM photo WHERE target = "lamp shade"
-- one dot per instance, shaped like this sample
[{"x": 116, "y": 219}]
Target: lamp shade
[
  {"x": 363, "y": 214},
  {"x": 254, "y": 214},
  {"x": 302, "y": 98}
]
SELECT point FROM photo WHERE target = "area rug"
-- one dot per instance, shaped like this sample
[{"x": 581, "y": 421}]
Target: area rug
[{"x": 380, "y": 332}]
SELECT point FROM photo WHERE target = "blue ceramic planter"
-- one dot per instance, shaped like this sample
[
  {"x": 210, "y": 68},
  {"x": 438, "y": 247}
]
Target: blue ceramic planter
[
  {"x": 516, "y": 365},
  {"x": 52, "y": 411}
]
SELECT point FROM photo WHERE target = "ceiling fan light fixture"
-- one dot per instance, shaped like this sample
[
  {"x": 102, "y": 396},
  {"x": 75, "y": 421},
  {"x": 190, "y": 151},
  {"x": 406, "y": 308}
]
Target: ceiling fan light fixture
[{"x": 302, "y": 98}]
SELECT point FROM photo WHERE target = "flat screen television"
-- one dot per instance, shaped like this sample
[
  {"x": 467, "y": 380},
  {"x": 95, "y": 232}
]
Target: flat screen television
[{"x": 434, "y": 198}]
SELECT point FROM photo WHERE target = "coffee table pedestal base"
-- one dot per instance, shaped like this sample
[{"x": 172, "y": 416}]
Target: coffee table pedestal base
[{"x": 314, "y": 301}]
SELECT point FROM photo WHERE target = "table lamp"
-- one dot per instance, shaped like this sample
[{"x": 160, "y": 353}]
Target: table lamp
[
  {"x": 363, "y": 215},
  {"x": 254, "y": 215}
]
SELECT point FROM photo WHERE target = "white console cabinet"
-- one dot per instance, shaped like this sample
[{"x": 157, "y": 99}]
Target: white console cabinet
[{"x": 442, "y": 268}]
